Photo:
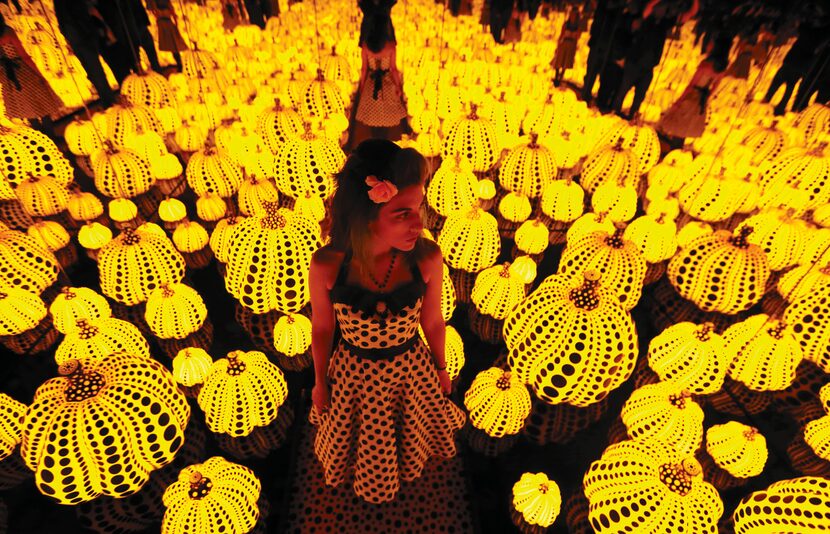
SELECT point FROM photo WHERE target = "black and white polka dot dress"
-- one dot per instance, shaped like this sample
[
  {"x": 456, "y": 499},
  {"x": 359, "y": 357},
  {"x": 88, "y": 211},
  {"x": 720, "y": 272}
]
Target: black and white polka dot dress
[
  {"x": 380, "y": 103},
  {"x": 388, "y": 415}
]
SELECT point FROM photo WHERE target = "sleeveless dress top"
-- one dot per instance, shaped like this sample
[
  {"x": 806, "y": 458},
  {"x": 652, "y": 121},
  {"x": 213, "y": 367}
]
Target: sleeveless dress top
[{"x": 387, "y": 414}]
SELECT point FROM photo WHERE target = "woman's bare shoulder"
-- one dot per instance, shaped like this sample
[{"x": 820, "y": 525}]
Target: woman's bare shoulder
[
  {"x": 327, "y": 256},
  {"x": 430, "y": 258}
]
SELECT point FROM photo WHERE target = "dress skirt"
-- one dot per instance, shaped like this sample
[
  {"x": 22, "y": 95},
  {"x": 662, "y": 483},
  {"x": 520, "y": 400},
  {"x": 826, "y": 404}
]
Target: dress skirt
[
  {"x": 386, "y": 419},
  {"x": 685, "y": 118}
]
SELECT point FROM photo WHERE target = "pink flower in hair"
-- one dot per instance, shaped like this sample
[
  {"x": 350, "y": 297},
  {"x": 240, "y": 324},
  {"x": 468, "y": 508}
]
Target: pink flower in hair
[{"x": 381, "y": 190}]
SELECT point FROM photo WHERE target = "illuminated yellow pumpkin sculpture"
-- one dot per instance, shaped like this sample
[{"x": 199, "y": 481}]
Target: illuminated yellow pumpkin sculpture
[
  {"x": 794, "y": 506},
  {"x": 97, "y": 339},
  {"x": 20, "y": 310},
  {"x": 720, "y": 272},
  {"x": 809, "y": 318},
  {"x": 213, "y": 170},
  {"x": 656, "y": 237},
  {"x": 527, "y": 168},
  {"x": 292, "y": 334},
  {"x": 497, "y": 403},
  {"x": 214, "y": 496},
  {"x": 11, "y": 429},
  {"x": 780, "y": 235},
  {"x": 738, "y": 449},
  {"x": 690, "y": 356},
  {"x": 102, "y": 427},
  {"x": 817, "y": 432},
  {"x": 308, "y": 163},
  {"x": 470, "y": 240},
  {"x": 618, "y": 261},
  {"x": 42, "y": 196},
  {"x": 174, "y": 311},
  {"x": 614, "y": 164},
  {"x": 259, "y": 273},
  {"x": 664, "y": 412},
  {"x": 474, "y": 137},
  {"x": 453, "y": 186},
  {"x": 135, "y": 263},
  {"x": 27, "y": 264},
  {"x": 559, "y": 344},
  {"x": 802, "y": 280},
  {"x": 121, "y": 173},
  {"x": 537, "y": 499},
  {"x": 764, "y": 352},
  {"x": 648, "y": 488},
  {"x": 241, "y": 392},
  {"x": 563, "y": 200},
  {"x": 191, "y": 366}
]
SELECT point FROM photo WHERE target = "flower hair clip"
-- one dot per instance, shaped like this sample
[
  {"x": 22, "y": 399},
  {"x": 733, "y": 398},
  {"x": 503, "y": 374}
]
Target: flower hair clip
[{"x": 380, "y": 190}]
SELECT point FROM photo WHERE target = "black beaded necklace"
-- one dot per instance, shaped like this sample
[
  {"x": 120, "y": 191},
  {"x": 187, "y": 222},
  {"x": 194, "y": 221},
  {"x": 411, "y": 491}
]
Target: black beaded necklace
[{"x": 388, "y": 271}]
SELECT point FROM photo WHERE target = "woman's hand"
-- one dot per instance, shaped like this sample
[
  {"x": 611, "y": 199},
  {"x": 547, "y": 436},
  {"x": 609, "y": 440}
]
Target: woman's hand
[
  {"x": 446, "y": 383},
  {"x": 320, "y": 397}
]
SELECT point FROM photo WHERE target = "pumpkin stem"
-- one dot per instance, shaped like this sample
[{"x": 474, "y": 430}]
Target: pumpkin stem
[
  {"x": 473, "y": 112},
  {"x": 740, "y": 240},
  {"x": 586, "y": 296},
  {"x": 704, "y": 331},
  {"x": 533, "y": 138}
]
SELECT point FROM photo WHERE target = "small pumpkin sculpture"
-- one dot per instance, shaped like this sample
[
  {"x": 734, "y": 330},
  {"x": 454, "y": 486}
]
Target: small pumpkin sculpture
[
  {"x": 102, "y": 427},
  {"x": 764, "y": 353},
  {"x": 497, "y": 290},
  {"x": 738, "y": 449},
  {"x": 809, "y": 318},
  {"x": 241, "y": 392},
  {"x": 537, "y": 499},
  {"x": 690, "y": 356},
  {"x": 96, "y": 339},
  {"x": 214, "y": 496},
  {"x": 721, "y": 272},
  {"x": 817, "y": 432},
  {"x": 663, "y": 412},
  {"x": 647, "y": 487},
  {"x": 497, "y": 402}
]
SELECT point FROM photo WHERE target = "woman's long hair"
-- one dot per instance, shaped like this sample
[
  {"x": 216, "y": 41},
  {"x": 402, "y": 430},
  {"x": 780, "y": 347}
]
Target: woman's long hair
[
  {"x": 379, "y": 30},
  {"x": 351, "y": 208}
]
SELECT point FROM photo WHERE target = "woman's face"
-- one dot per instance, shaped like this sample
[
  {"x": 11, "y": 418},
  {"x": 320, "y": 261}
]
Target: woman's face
[{"x": 399, "y": 223}]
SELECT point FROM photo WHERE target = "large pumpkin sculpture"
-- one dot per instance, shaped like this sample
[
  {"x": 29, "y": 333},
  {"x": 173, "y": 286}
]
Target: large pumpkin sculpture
[{"x": 102, "y": 427}]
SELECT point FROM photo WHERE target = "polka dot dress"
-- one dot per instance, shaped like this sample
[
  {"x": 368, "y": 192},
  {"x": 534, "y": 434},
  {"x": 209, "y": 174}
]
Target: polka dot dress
[
  {"x": 388, "y": 415},
  {"x": 386, "y": 108}
]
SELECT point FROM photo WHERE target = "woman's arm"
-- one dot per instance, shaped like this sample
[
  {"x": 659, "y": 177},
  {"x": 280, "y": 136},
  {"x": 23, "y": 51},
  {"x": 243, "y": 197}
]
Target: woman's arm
[
  {"x": 432, "y": 321},
  {"x": 364, "y": 64},
  {"x": 322, "y": 314},
  {"x": 394, "y": 67}
]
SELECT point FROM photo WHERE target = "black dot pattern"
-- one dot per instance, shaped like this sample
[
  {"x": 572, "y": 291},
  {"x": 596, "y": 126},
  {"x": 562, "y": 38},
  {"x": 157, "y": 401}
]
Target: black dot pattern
[
  {"x": 619, "y": 262},
  {"x": 220, "y": 237},
  {"x": 308, "y": 163},
  {"x": 690, "y": 356},
  {"x": 738, "y": 449},
  {"x": 809, "y": 318},
  {"x": 149, "y": 89},
  {"x": 496, "y": 291},
  {"x": 121, "y": 173},
  {"x": 213, "y": 170},
  {"x": 175, "y": 311},
  {"x": 42, "y": 196},
  {"x": 100, "y": 338},
  {"x": 11, "y": 428},
  {"x": 135, "y": 263},
  {"x": 124, "y": 121},
  {"x": 663, "y": 412},
  {"x": 642, "y": 140},
  {"x": 277, "y": 125},
  {"x": 453, "y": 186},
  {"x": 20, "y": 311},
  {"x": 103, "y": 428},
  {"x": 766, "y": 353},
  {"x": 214, "y": 496},
  {"x": 527, "y": 168},
  {"x": 719, "y": 272},
  {"x": 470, "y": 240},
  {"x": 75, "y": 303},
  {"x": 781, "y": 237},
  {"x": 26, "y": 152},
  {"x": 571, "y": 343},
  {"x": 797, "y": 506},
  {"x": 25, "y": 263},
  {"x": 475, "y": 138},
  {"x": 610, "y": 164},
  {"x": 434, "y": 502},
  {"x": 646, "y": 487},
  {"x": 81, "y": 138},
  {"x": 241, "y": 392},
  {"x": 322, "y": 98},
  {"x": 806, "y": 171},
  {"x": 268, "y": 259},
  {"x": 497, "y": 402}
]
